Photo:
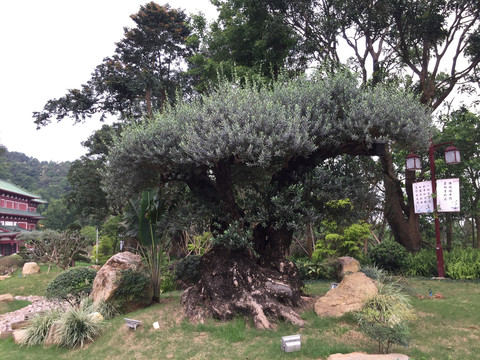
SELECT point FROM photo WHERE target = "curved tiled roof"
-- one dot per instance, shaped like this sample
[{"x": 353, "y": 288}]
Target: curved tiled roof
[
  {"x": 9, "y": 187},
  {"x": 9, "y": 231},
  {"x": 25, "y": 213}
]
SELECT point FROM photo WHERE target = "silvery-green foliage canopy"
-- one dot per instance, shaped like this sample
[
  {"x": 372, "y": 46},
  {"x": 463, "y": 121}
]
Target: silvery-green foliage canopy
[{"x": 264, "y": 127}]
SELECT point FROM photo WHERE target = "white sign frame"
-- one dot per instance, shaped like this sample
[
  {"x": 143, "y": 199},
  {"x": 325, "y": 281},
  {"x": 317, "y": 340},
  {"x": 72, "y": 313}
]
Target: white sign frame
[
  {"x": 448, "y": 195},
  {"x": 422, "y": 197}
]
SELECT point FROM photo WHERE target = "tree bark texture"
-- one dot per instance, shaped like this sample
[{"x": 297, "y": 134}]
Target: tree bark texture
[
  {"x": 401, "y": 217},
  {"x": 232, "y": 283}
]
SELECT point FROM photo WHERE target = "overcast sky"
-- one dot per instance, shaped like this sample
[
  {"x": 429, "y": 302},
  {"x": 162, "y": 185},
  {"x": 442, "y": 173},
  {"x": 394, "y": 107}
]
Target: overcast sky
[{"x": 49, "y": 46}]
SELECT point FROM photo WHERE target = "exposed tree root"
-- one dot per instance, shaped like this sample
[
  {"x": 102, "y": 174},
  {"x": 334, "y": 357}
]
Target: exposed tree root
[{"x": 233, "y": 283}]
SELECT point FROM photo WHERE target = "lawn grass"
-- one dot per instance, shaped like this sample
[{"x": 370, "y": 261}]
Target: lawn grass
[
  {"x": 34, "y": 284},
  {"x": 12, "y": 306},
  {"x": 447, "y": 328}
]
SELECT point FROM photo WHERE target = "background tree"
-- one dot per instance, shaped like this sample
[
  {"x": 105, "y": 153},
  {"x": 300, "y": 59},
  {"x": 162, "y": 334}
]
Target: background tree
[
  {"x": 245, "y": 40},
  {"x": 245, "y": 151},
  {"x": 44, "y": 178},
  {"x": 141, "y": 75},
  {"x": 86, "y": 198},
  {"x": 408, "y": 41},
  {"x": 57, "y": 216},
  {"x": 55, "y": 248},
  {"x": 462, "y": 126}
]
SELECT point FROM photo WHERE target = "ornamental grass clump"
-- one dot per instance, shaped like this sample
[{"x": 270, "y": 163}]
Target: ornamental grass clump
[
  {"x": 38, "y": 330},
  {"x": 108, "y": 310},
  {"x": 385, "y": 317},
  {"x": 79, "y": 326}
]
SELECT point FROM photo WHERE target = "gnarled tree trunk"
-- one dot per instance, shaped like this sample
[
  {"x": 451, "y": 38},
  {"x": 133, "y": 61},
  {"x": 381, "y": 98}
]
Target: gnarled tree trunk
[
  {"x": 401, "y": 216},
  {"x": 266, "y": 288},
  {"x": 258, "y": 282}
]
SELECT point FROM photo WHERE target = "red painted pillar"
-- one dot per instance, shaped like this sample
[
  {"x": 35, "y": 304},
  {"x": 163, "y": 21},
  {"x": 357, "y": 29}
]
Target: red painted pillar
[{"x": 438, "y": 241}]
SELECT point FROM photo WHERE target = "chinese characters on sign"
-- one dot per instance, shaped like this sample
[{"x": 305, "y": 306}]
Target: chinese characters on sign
[
  {"x": 448, "y": 195},
  {"x": 422, "y": 197}
]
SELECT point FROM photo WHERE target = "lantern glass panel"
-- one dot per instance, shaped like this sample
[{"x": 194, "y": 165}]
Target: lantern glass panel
[
  {"x": 410, "y": 163},
  {"x": 452, "y": 156},
  {"x": 413, "y": 162}
]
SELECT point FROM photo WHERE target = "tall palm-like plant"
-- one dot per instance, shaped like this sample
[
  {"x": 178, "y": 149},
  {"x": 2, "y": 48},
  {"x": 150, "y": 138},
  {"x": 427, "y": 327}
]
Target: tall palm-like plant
[{"x": 142, "y": 221}]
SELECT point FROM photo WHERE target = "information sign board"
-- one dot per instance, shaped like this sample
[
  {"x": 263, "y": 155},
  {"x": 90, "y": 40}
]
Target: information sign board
[
  {"x": 422, "y": 197},
  {"x": 448, "y": 195}
]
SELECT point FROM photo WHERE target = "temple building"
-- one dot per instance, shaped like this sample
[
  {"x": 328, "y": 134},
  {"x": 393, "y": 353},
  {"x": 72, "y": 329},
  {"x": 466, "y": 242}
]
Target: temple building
[{"x": 18, "y": 213}]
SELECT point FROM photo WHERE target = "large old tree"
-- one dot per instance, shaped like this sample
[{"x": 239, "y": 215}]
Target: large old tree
[{"x": 244, "y": 152}]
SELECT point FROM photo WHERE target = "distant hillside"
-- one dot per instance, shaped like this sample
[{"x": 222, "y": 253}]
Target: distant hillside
[{"x": 47, "y": 179}]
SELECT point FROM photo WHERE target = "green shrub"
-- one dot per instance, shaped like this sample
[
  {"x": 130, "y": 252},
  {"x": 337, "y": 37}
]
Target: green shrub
[
  {"x": 373, "y": 272},
  {"x": 233, "y": 238},
  {"x": 462, "y": 263},
  {"x": 423, "y": 263},
  {"x": 307, "y": 269},
  {"x": 187, "y": 270},
  {"x": 105, "y": 250},
  {"x": 26, "y": 254},
  {"x": 339, "y": 241},
  {"x": 384, "y": 318},
  {"x": 314, "y": 270},
  {"x": 71, "y": 285},
  {"x": 390, "y": 256},
  {"x": 168, "y": 281},
  {"x": 38, "y": 330},
  {"x": 134, "y": 290},
  {"x": 108, "y": 310},
  {"x": 78, "y": 326},
  {"x": 200, "y": 244},
  {"x": 9, "y": 264}
]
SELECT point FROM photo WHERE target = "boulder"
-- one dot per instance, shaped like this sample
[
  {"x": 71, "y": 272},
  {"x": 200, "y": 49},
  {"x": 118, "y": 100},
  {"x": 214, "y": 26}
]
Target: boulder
[
  {"x": 52, "y": 336},
  {"x": 347, "y": 265},
  {"x": 30, "y": 268},
  {"x": 19, "y": 335},
  {"x": 20, "y": 324},
  {"x": 3, "y": 277},
  {"x": 350, "y": 295},
  {"x": 363, "y": 356},
  {"x": 6, "y": 298},
  {"x": 105, "y": 283}
]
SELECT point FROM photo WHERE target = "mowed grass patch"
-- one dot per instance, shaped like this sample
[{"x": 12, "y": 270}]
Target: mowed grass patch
[
  {"x": 448, "y": 327},
  {"x": 33, "y": 284},
  {"x": 6, "y": 307}
]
